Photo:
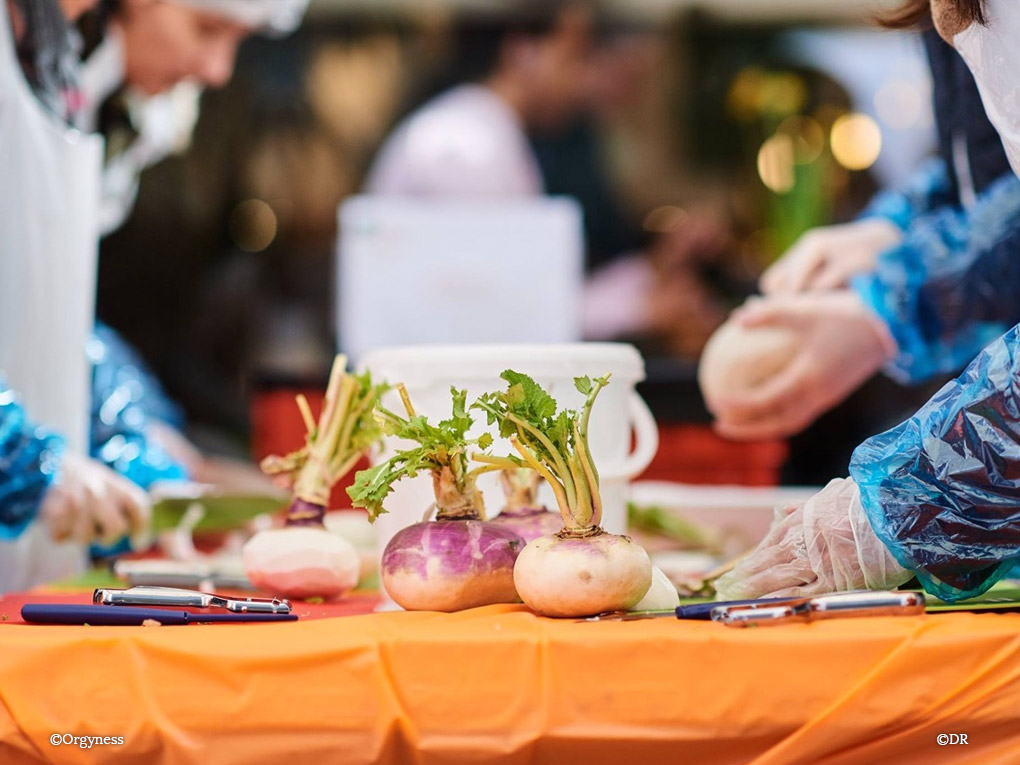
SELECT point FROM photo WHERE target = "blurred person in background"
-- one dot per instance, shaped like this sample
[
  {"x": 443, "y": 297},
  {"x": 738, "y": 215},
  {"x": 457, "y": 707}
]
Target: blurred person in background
[
  {"x": 53, "y": 499},
  {"x": 936, "y": 496},
  {"x": 527, "y": 73},
  {"x": 533, "y": 76},
  {"x": 917, "y": 286},
  {"x": 148, "y": 63}
]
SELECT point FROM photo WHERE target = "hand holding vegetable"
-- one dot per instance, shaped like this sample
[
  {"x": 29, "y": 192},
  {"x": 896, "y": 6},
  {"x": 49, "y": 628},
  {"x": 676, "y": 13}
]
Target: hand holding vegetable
[
  {"x": 91, "y": 503},
  {"x": 840, "y": 344},
  {"x": 825, "y": 546},
  {"x": 581, "y": 570},
  {"x": 304, "y": 560},
  {"x": 457, "y": 561},
  {"x": 826, "y": 258}
]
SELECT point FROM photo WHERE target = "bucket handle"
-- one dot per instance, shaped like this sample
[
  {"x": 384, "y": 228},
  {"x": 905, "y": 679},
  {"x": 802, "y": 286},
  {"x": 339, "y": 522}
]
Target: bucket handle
[{"x": 646, "y": 439}]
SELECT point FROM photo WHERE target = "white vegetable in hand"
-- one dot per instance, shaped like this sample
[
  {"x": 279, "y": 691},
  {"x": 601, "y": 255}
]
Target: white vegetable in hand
[
  {"x": 737, "y": 359},
  {"x": 840, "y": 343}
]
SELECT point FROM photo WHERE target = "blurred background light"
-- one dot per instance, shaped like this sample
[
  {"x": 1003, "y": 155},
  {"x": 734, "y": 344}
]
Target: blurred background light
[
  {"x": 856, "y": 141},
  {"x": 807, "y": 135},
  {"x": 775, "y": 163}
]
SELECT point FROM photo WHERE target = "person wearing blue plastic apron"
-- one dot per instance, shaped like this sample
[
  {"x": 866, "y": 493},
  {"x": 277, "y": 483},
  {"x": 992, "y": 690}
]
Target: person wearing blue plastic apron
[
  {"x": 53, "y": 499},
  {"x": 938, "y": 496}
]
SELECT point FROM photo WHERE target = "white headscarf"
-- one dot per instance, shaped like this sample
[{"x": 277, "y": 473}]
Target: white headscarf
[
  {"x": 992, "y": 51},
  {"x": 274, "y": 17}
]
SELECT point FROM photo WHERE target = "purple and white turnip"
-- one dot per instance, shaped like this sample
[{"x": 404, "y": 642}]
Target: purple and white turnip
[
  {"x": 522, "y": 512},
  {"x": 459, "y": 560}
]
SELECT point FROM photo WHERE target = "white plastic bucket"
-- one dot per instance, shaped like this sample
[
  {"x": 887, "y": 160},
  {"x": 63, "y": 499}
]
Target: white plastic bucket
[{"x": 429, "y": 371}]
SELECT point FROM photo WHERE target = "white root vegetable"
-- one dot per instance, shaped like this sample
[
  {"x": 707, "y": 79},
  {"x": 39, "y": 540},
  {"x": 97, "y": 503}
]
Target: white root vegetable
[
  {"x": 738, "y": 360},
  {"x": 354, "y": 527},
  {"x": 303, "y": 559},
  {"x": 661, "y": 596},
  {"x": 558, "y": 576},
  {"x": 581, "y": 570},
  {"x": 302, "y": 562}
]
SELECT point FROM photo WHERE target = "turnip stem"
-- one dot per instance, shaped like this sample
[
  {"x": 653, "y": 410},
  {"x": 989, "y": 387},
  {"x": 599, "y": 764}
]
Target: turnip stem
[
  {"x": 562, "y": 469},
  {"x": 503, "y": 462},
  {"x": 406, "y": 398},
  {"x": 336, "y": 375},
  {"x": 582, "y": 510},
  {"x": 475, "y": 472},
  {"x": 388, "y": 417},
  {"x": 331, "y": 436},
  {"x": 306, "y": 415},
  {"x": 339, "y": 471},
  {"x": 598, "y": 385},
  {"x": 582, "y": 428},
  {"x": 330, "y": 452},
  {"x": 589, "y": 470},
  {"x": 352, "y": 419},
  {"x": 561, "y": 498}
]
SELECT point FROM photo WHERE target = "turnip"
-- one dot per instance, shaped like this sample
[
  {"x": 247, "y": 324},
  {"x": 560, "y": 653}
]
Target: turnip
[
  {"x": 459, "y": 560},
  {"x": 354, "y": 527},
  {"x": 522, "y": 513},
  {"x": 581, "y": 570},
  {"x": 303, "y": 559},
  {"x": 661, "y": 596}
]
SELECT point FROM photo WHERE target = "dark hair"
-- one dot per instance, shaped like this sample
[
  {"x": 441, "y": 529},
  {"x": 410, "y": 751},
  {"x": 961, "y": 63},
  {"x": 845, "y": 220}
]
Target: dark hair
[
  {"x": 916, "y": 14},
  {"x": 479, "y": 39},
  {"x": 93, "y": 25}
]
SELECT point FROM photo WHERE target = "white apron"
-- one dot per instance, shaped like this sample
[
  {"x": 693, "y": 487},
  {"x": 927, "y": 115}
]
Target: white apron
[{"x": 49, "y": 192}]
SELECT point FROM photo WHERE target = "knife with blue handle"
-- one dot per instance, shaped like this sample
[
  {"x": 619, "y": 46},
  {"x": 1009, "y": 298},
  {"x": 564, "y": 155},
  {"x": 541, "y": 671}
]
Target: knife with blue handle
[{"x": 46, "y": 613}]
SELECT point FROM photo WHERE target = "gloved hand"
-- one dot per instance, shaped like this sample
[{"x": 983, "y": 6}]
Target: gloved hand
[
  {"x": 842, "y": 343},
  {"x": 92, "y": 503},
  {"x": 826, "y": 258},
  {"x": 826, "y": 546}
]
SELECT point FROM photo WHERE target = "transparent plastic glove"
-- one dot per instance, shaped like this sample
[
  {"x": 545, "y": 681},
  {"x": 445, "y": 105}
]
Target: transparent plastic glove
[
  {"x": 90, "y": 502},
  {"x": 826, "y": 258},
  {"x": 826, "y": 546},
  {"x": 842, "y": 344}
]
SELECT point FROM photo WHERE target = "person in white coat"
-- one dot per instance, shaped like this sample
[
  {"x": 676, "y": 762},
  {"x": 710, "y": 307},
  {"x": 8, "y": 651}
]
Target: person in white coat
[
  {"x": 472, "y": 140},
  {"x": 53, "y": 499},
  {"x": 152, "y": 63}
]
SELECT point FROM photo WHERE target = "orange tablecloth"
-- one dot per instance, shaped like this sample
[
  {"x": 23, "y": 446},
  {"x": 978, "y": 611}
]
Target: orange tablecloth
[{"x": 499, "y": 685}]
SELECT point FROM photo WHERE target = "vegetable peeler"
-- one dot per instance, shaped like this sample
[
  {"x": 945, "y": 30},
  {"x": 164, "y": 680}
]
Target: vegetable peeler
[
  {"x": 767, "y": 611},
  {"x": 179, "y": 598},
  {"x": 847, "y": 604}
]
